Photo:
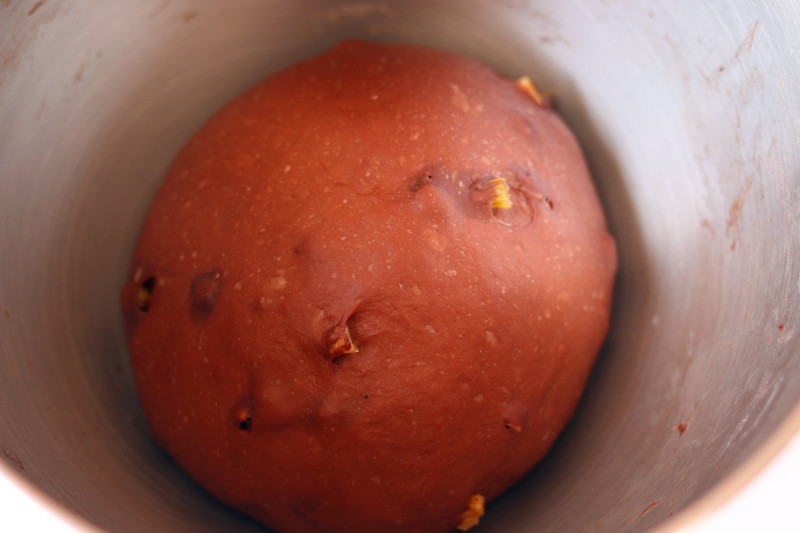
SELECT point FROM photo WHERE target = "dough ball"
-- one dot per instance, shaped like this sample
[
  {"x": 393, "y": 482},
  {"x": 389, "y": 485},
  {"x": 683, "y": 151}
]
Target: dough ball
[{"x": 369, "y": 293}]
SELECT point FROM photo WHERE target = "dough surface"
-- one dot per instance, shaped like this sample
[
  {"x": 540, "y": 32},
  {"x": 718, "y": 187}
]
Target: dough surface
[{"x": 370, "y": 288}]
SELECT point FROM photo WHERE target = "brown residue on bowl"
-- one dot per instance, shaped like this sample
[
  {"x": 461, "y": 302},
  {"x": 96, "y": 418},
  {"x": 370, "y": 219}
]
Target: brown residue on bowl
[
  {"x": 14, "y": 458},
  {"x": 650, "y": 506},
  {"x": 681, "y": 428}
]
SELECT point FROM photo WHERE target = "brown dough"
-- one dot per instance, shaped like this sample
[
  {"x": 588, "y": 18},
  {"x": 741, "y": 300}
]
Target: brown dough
[{"x": 370, "y": 287}]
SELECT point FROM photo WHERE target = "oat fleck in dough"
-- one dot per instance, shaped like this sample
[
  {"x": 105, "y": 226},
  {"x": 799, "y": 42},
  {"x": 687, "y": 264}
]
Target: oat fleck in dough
[{"x": 369, "y": 293}]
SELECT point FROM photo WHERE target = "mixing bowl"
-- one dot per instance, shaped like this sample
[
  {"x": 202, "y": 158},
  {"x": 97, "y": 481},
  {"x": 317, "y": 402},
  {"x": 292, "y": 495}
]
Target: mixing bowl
[{"x": 688, "y": 115}]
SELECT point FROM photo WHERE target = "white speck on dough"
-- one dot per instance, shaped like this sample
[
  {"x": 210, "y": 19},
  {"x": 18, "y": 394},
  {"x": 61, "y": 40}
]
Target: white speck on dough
[
  {"x": 278, "y": 283},
  {"x": 459, "y": 99},
  {"x": 491, "y": 338}
]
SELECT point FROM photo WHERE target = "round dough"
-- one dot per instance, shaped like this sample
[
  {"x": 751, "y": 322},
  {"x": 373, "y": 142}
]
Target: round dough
[{"x": 370, "y": 289}]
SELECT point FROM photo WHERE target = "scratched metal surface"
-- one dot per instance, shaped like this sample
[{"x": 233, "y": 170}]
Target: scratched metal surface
[{"x": 689, "y": 119}]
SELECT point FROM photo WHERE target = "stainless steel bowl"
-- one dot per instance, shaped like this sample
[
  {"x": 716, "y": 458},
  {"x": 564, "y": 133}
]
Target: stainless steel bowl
[{"x": 689, "y": 117}]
